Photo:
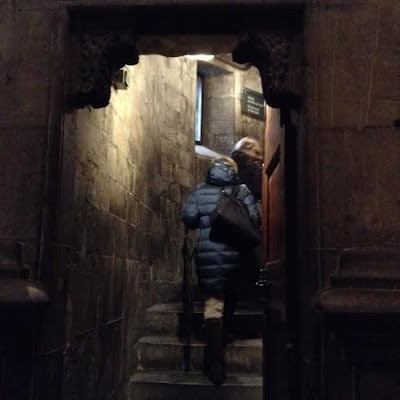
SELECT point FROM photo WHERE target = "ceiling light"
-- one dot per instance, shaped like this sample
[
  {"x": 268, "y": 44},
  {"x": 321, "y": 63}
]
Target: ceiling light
[{"x": 200, "y": 57}]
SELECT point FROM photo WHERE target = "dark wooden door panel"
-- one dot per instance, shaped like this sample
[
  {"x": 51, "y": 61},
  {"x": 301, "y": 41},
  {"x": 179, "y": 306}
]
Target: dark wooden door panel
[
  {"x": 277, "y": 218},
  {"x": 275, "y": 214}
]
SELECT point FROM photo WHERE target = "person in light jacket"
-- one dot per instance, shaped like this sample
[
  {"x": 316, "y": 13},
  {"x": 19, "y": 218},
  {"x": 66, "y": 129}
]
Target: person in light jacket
[{"x": 218, "y": 263}]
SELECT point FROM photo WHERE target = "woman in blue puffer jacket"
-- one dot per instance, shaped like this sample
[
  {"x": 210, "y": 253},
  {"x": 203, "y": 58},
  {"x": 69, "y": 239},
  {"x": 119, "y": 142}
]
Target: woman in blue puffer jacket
[{"x": 218, "y": 264}]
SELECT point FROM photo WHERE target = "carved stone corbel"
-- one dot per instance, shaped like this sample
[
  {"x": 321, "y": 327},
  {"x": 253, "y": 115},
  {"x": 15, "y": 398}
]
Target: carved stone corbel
[
  {"x": 98, "y": 57},
  {"x": 269, "y": 52}
]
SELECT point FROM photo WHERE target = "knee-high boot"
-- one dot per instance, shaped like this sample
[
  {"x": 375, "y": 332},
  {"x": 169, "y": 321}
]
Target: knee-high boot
[
  {"x": 215, "y": 350},
  {"x": 228, "y": 318}
]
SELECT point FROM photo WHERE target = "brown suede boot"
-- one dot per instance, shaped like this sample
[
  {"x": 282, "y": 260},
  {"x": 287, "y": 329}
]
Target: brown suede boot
[{"x": 215, "y": 368}]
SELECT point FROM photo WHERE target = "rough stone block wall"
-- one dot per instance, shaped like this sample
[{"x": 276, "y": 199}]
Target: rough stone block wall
[
  {"x": 223, "y": 122},
  {"x": 219, "y": 112},
  {"x": 202, "y": 164},
  {"x": 245, "y": 125},
  {"x": 133, "y": 165}
]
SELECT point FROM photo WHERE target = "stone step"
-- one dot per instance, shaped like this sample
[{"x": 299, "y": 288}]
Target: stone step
[
  {"x": 160, "y": 352},
  {"x": 249, "y": 292},
  {"x": 167, "y": 319},
  {"x": 161, "y": 385}
]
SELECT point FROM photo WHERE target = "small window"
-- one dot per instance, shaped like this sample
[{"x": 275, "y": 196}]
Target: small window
[{"x": 199, "y": 114}]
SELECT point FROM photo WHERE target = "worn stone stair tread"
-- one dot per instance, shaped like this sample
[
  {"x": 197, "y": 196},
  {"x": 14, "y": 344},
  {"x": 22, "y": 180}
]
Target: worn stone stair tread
[
  {"x": 163, "y": 340},
  {"x": 242, "y": 308},
  {"x": 166, "y": 352},
  {"x": 168, "y": 319},
  {"x": 196, "y": 379}
]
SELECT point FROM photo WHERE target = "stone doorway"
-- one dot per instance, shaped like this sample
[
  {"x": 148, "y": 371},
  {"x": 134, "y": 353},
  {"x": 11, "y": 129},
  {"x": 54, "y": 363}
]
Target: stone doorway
[
  {"x": 98, "y": 49},
  {"x": 135, "y": 162}
]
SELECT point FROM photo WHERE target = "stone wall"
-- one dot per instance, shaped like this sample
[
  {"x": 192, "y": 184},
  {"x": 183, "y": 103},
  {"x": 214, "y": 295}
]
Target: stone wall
[
  {"x": 223, "y": 122},
  {"x": 349, "y": 152},
  {"x": 25, "y": 140},
  {"x": 219, "y": 112},
  {"x": 133, "y": 165},
  {"x": 24, "y": 118},
  {"x": 245, "y": 125}
]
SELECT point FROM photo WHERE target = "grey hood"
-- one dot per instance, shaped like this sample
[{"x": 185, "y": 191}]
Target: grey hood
[{"x": 221, "y": 174}]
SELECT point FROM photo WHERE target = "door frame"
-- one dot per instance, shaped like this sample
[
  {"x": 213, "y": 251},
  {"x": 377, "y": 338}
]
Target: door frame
[{"x": 72, "y": 23}]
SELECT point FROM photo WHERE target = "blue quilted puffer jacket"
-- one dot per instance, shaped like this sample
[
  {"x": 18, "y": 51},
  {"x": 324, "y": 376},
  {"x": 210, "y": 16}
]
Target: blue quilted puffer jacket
[{"x": 217, "y": 264}]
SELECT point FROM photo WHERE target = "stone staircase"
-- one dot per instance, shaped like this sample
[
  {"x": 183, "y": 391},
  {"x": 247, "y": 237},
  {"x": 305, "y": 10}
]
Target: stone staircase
[{"x": 160, "y": 374}]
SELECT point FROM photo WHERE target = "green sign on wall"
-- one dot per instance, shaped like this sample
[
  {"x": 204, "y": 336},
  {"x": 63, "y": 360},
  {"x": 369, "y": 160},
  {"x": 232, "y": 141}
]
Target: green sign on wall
[{"x": 253, "y": 104}]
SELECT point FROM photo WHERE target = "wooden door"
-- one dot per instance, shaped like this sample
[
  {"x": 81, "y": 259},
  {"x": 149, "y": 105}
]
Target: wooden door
[{"x": 279, "y": 252}]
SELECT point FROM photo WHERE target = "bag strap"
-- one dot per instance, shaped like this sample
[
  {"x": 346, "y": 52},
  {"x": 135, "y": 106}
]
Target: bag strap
[
  {"x": 188, "y": 247},
  {"x": 235, "y": 191}
]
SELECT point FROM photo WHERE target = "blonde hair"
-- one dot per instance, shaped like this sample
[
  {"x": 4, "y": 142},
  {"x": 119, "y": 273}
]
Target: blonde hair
[
  {"x": 249, "y": 146},
  {"x": 228, "y": 161}
]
